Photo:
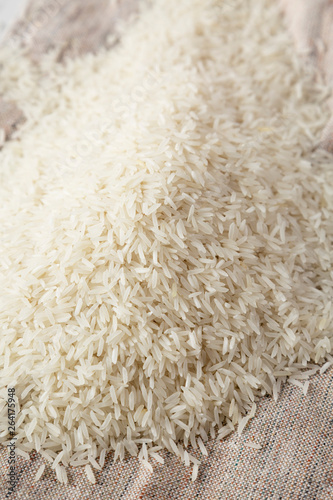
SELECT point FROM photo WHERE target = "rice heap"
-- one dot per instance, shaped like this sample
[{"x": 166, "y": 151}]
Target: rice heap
[{"x": 166, "y": 234}]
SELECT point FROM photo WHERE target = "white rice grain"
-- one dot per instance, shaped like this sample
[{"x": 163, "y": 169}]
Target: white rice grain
[
  {"x": 39, "y": 473},
  {"x": 90, "y": 474}
]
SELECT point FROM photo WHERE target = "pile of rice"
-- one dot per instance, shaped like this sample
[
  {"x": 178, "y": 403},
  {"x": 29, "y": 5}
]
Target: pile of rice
[{"x": 165, "y": 235}]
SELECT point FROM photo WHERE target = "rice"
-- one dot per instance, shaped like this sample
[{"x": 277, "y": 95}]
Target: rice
[
  {"x": 202, "y": 447},
  {"x": 157, "y": 457},
  {"x": 254, "y": 446},
  {"x": 39, "y": 473},
  {"x": 147, "y": 465},
  {"x": 306, "y": 387},
  {"x": 102, "y": 458},
  {"x": 195, "y": 471},
  {"x": 90, "y": 474},
  {"x": 325, "y": 367},
  {"x": 61, "y": 474},
  {"x": 165, "y": 236}
]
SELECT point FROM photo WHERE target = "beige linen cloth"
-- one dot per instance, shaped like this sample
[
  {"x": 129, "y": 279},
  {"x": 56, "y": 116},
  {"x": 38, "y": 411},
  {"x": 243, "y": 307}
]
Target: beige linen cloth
[{"x": 296, "y": 433}]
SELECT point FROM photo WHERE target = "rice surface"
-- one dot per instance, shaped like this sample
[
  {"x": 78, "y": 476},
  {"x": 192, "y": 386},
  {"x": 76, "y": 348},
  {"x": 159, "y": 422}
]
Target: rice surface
[{"x": 165, "y": 234}]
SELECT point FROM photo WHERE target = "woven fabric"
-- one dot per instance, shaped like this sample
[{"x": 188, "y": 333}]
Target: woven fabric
[
  {"x": 296, "y": 434},
  {"x": 311, "y": 25},
  {"x": 295, "y": 461},
  {"x": 10, "y": 117}
]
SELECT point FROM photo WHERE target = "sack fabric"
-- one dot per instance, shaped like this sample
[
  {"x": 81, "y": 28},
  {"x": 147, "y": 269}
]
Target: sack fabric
[{"x": 295, "y": 461}]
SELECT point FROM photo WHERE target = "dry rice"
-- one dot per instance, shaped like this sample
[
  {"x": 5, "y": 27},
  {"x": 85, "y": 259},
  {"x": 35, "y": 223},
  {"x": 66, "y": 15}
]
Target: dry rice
[{"x": 165, "y": 235}]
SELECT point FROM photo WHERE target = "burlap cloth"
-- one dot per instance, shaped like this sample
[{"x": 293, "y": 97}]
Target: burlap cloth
[{"x": 296, "y": 433}]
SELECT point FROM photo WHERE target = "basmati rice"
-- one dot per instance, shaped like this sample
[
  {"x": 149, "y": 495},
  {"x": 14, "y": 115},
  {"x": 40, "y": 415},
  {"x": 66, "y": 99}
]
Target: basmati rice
[
  {"x": 255, "y": 446},
  {"x": 39, "y": 473},
  {"x": 163, "y": 262},
  {"x": 195, "y": 471},
  {"x": 90, "y": 474}
]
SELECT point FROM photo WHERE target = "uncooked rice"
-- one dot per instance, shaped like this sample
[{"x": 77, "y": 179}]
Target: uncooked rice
[
  {"x": 165, "y": 235},
  {"x": 254, "y": 446},
  {"x": 39, "y": 473},
  {"x": 90, "y": 474}
]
